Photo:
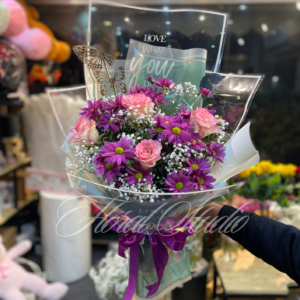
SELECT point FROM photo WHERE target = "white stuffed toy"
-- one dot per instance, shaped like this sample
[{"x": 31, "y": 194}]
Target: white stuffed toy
[{"x": 13, "y": 278}]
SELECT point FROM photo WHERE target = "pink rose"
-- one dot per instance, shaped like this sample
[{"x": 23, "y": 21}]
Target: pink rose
[
  {"x": 148, "y": 153},
  {"x": 139, "y": 102},
  {"x": 205, "y": 123},
  {"x": 84, "y": 130}
]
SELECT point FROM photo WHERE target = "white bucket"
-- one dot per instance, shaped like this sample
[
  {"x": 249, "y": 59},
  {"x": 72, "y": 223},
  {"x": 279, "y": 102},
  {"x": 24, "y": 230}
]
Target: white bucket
[{"x": 66, "y": 244}]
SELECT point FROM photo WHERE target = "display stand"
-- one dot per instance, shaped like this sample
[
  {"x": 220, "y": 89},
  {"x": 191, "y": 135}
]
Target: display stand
[{"x": 249, "y": 276}]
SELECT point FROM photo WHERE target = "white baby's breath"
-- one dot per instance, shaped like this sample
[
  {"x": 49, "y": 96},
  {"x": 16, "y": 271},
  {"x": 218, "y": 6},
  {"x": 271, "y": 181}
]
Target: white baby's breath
[{"x": 111, "y": 276}]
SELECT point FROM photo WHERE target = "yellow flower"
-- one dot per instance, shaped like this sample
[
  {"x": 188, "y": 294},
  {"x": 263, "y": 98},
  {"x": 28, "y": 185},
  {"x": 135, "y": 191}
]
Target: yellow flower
[
  {"x": 248, "y": 172},
  {"x": 245, "y": 173},
  {"x": 286, "y": 170},
  {"x": 257, "y": 212},
  {"x": 278, "y": 168},
  {"x": 264, "y": 166},
  {"x": 291, "y": 169}
]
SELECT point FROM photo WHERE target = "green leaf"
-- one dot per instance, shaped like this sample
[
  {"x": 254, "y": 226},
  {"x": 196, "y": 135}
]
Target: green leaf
[
  {"x": 278, "y": 191},
  {"x": 129, "y": 165},
  {"x": 268, "y": 193},
  {"x": 284, "y": 202},
  {"x": 255, "y": 185},
  {"x": 159, "y": 162},
  {"x": 273, "y": 180}
]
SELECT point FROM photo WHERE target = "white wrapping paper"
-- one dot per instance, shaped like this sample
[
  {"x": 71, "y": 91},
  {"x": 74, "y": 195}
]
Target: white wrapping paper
[
  {"x": 42, "y": 132},
  {"x": 240, "y": 155},
  {"x": 66, "y": 256}
]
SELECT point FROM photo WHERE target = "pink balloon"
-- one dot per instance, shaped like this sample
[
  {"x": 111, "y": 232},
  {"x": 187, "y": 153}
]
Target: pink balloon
[
  {"x": 34, "y": 43},
  {"x": 18, "y": 19}
]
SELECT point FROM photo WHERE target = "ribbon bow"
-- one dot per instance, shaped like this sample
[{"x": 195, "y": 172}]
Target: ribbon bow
[{"x": 174, "y": 239}]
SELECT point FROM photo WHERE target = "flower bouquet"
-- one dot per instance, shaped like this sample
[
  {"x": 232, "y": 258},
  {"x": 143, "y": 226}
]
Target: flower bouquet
[
  {"x": 132, "y": 145},
  {"x": 148, "y": 147}
]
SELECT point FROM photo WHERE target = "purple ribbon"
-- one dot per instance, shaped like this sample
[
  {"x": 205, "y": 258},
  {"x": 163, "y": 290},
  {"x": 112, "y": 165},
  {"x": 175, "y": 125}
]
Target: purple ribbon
[{"x": 174, "y": 239}]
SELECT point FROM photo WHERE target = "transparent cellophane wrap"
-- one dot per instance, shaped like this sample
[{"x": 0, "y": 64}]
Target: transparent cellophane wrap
[
  {"x": 183, "y": 42},
  {"x": 112, "y": 25},
  {"x": 231, "y": 97},
  {"x": 240, "y": 155}
]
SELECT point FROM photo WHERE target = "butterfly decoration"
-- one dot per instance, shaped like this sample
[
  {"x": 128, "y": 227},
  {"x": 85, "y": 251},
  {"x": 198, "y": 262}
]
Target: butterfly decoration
[
  {"x": 106, "y": 82},
  {"x": 96, "y": 61},
  {"x": 92, "y": 57}
]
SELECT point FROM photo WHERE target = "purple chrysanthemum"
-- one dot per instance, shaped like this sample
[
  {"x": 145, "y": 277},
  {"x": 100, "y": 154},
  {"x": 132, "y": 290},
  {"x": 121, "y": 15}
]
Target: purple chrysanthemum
[
  {"x": 195, "y": 141},
  {"x": 139, "y": 175},
  {"x": 194, "y": 135},
  {"x": 164, "y": 82},
  {"x": 113, "y": 104},
  {"x": 211, "y": 111},
  {"x": 118, "y": 152},
  {"x": 150, "y": 79},
  {"x": 197, "y": 165},
  {"x": 109, "y": 171},
  {"x": 216, "y": 150},
  {"x": 176, "y": 119},
  {"x": 176, "y": 133},
  {"x": 92, "y": 111},
  {"x": 168, "y": 119},
  {"x": 202, "y": 181},
  {"x": 186, "y": 114},
  {"x": 178, "y": 183},
  {"x": 157, "y": 97},
  {"x": 196, "y": 145},
  {"x": 158, "y": 128},
  {"x": 137, "y": 90},
  {"x": 204, "y": 92},
  {"x": 108, "y": 122}
]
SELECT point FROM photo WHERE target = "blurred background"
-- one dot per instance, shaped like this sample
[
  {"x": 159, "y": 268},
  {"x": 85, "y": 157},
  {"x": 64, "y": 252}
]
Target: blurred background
[
  {"x": 36, "y": 41},
  {"x": 262, "y": 38}
]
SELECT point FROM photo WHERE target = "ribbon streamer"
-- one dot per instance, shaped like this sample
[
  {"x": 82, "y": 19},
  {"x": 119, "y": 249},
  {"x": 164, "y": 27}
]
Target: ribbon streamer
[{"x": 160, "y": 240}]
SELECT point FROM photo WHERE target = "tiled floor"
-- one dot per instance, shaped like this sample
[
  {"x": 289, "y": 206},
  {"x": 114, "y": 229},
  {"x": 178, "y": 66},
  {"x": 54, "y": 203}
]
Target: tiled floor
[{"x": 82, "y": 290}]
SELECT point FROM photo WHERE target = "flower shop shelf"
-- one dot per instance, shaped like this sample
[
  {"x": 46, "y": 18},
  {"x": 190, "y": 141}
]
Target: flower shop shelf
[
  {"x": 11, "y": 102},
  {"x": 8, "y": 213},
  {"x": 7, "y": 168},
  {"x": 249, "y": 276}
]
